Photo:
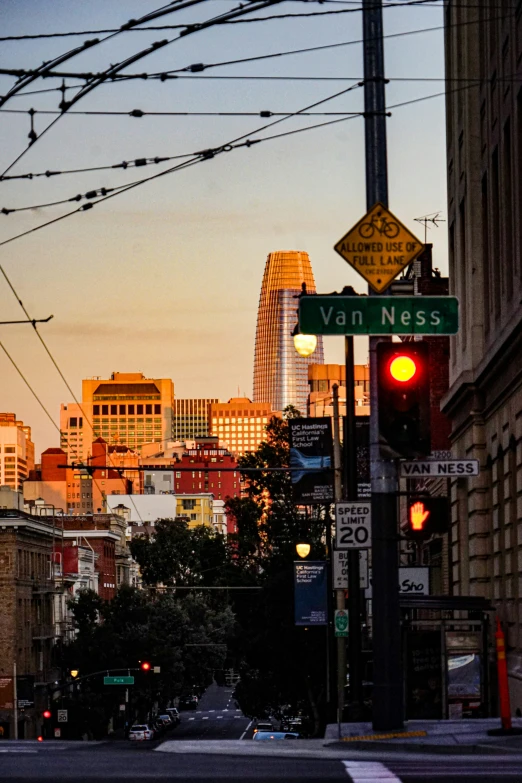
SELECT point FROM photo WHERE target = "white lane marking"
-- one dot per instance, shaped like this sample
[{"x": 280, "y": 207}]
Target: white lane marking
[
  {"x": 205, "y": 718},
  {"x": 225, "y": 710},
  {"x": 212, "y": 710},
  {"x": 369, "y": 771},
  {"x": 245, "y": 731},
  {"x": 16, "y": 750},
  {"x": 192, "y": 719},
  {"x": 220, "y": 717}
]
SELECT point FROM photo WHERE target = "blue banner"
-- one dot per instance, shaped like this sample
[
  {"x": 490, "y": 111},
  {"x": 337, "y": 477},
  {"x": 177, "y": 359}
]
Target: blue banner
[{"x": 310, "y": 593}]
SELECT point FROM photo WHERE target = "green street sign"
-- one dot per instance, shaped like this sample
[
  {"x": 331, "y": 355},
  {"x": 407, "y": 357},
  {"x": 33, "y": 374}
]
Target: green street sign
[
  {"x": 341, "y": 622},
  {"x": 378, "y": 315},
  {"x": 118, "y": 680}
]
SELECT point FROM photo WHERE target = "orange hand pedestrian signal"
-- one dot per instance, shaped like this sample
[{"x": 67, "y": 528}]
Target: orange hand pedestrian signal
[
  {"x": 418, "y": 516},
  {"x": 427, "y": 516}
]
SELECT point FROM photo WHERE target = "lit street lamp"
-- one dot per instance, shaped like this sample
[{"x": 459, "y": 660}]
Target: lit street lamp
[{"x": 305, "y": 344}]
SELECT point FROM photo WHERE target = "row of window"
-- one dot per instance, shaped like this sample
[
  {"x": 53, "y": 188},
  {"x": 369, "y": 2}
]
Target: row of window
[
  {"x": 126, "y": 410},
  {"x": 9, "y": 449},
  {"x": 245, "y": 419}
]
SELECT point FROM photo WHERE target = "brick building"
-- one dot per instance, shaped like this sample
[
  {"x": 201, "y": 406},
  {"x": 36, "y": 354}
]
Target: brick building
[
  {"x": 29, "y": 625},
  {"x": 207, "y": 469}
]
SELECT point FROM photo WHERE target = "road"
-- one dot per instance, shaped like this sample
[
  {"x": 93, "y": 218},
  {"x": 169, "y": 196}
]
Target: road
[
  {"x": 119, "y": 762},
  {"x": 215, "y": 718}
]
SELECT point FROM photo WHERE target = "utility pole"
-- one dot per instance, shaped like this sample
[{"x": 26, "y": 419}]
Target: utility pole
[
  {"x": 350, "y": 486},
  {"x": 387, "y": 664},
  {"x": 339, "y": 597}
]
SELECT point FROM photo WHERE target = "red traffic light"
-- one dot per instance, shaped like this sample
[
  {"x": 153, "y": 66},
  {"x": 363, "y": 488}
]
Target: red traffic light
[
  {"x": 145, "y": 666},
  {"x": 46, "y": 714},
  {"x": 402, "y": 368},
  {"x": 40, "y": 738}
]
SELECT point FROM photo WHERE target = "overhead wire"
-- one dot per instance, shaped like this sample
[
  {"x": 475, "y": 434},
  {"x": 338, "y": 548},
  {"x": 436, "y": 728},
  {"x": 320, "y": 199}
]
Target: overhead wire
[{"x": 114, "y": 69}]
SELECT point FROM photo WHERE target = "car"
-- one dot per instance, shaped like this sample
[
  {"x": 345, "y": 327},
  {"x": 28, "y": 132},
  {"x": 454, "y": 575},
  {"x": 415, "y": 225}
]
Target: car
[
  {"x": 141, "y": 732},
  {"x": 264, "y": 726},
  {"x": 166, "y": 720},
  {"x": 188, "y": 702},
  {"x": 174, "y": 715},
  {"x": 260, "y": 736}
]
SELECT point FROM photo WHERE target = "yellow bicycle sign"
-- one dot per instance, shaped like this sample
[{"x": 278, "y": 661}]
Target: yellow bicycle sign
[{"x": 379, "y": 247}]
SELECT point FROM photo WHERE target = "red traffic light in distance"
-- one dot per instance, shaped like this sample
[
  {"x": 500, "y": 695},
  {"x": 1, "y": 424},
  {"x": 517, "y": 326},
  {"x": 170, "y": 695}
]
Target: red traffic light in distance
[
  {"x": 145, "y": 666},
  {"x": 46, "y": 714}
]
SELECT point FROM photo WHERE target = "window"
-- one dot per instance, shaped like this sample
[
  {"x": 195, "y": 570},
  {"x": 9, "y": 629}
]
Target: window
[
  {"x": 114, "y": 410},
  {"x": 122, "y": 410},
  {"x": 139, "y": 410},
  {"x": 105, "y": 410},
  {"x": 130, "y": 409},
  {"x": 157, "y": 410},
  {"x": 96, "y": 410},
  {"x": 73, "y": 421},
  {"x": 10, "y": 449},
  {"x": 178, "y": 474}
]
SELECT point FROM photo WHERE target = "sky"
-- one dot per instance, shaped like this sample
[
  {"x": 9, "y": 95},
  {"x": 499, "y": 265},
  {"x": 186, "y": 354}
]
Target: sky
[{"x": 165, "y": 279}]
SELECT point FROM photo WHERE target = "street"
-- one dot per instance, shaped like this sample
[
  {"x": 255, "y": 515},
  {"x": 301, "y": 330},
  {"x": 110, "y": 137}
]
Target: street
[{"x": 216, "y": 717}]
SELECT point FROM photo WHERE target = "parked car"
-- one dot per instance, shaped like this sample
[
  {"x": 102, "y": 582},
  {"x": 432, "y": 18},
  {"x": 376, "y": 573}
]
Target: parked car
[
  {"x": 166, "y": 719},
  {"x": 259, "y": 736},
  {"x": 174, "y": 715},
  {"x": 141, "y": 732}
]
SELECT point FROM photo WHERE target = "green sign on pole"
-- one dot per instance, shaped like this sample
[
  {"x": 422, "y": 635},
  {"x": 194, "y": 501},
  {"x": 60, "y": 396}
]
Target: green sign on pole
[
  {"x": 118, "y": 680},
  {"x": 341, "y": 622},
  {"x": 378, "y": 315}
]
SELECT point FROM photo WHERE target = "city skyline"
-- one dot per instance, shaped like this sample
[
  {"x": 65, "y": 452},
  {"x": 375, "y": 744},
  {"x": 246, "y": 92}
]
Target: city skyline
[{"x": 164, "y": 279}]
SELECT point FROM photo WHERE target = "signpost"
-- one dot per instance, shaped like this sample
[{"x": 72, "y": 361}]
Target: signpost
[
  {"x": 62, "y": 716},
  {"x": 379, "y": 315},
  {"x": 445, "y": 467},
  {"x": 310, "y": 593},
  {"x": 353, "y": 524},
  {"x": 118, "y": 680},
  {"x": 379, "y": 247},
  {"x": 340, "y": 569},
  {"x": 341, "y": 622}
]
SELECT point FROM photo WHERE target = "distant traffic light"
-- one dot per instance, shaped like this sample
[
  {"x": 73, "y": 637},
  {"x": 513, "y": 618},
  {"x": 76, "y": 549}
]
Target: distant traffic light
[
  {"x": 145, "y": 666},
  {"x": 403, "y": 386},
  {"x": 427, "y": 516},
  {"x": 46, "y": 714}
]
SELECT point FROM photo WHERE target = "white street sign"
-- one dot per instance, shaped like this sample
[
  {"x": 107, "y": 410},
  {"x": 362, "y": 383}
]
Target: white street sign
[
  {"x": 340, "y": 569},
  {"x": 62, "y": 716},
  {"x": 413, "y": 580},
  {"x": 353, "y": 525},
  {"x": 444, "y": 467}
]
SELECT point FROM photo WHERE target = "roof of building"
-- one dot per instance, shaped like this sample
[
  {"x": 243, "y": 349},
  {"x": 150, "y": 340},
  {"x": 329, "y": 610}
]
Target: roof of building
[
  {"x": 54, "y": 451},
  {"x": 112, "y": 389}
]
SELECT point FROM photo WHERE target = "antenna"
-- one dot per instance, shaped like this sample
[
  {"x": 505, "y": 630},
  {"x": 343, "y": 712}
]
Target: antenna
[{"x": 432, "y": 217}]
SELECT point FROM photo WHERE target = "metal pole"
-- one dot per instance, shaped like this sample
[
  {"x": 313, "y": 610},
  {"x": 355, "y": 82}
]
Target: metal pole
[
  {"x": 15, "y": 702},
  {"x": 387, "y": 663},
  {"x": 339, "y": 594},
  {"x": 354, "y": 590}
]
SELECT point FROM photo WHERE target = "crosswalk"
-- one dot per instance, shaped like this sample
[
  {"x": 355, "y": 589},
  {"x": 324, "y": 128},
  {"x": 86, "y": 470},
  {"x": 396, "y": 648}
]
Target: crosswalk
[{"x": 502, "y": 768}]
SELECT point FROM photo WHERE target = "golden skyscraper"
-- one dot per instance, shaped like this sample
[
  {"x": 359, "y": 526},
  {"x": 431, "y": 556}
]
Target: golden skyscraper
[{"x": 280, "y": 374}]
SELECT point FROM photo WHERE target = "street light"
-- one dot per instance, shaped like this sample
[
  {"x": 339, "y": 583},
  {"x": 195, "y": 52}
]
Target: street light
[
  {"x": 305, "y": 344},
  {"x": 302, "y": 549},
  {"x": 74, "y": 673}
]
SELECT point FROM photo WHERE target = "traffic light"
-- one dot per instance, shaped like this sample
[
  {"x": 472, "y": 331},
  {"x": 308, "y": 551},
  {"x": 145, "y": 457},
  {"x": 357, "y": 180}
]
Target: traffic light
[
  {"x": 145, "y": 666},
  {"x": 46, "y": 714},
  {"x": 427, "y": 516},
  {"x": 403, "y": 385}
]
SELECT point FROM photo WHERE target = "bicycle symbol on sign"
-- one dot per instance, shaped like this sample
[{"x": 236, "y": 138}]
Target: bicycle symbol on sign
[{"x": 381, "y": 225}]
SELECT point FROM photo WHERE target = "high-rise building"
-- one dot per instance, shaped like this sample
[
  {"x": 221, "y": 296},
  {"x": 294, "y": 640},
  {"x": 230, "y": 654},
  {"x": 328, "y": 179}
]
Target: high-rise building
[
  {"x": 16, "y": 451},
  {"x": 240, "y": 424},
  {"x": 484, "y": 401},
  {"x": 190, "y": 418},
  {"x": 127, "y": 409},
  {"x": 280, "y": 373}
]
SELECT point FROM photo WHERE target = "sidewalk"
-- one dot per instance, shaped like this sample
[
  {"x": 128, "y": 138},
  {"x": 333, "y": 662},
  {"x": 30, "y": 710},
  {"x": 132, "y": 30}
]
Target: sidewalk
[{"x": 428, "y": 736}]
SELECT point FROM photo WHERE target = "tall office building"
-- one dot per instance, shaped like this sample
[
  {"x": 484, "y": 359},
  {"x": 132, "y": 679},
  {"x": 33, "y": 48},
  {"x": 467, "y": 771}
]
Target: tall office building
[
  {"x": 126, "y": 409},
  {"x": 190, "y": 418},
  {"x": 16, "y": 451},
  {"x": 240, "y": 424},
  {"x": 280, "y": 374}
]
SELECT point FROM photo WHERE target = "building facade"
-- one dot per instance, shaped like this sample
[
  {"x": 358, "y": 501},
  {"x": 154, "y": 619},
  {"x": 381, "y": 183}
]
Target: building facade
[
  {"x": 240, "y": 423},
  {"x": 484, "y": 401},
  {"x": 280, "y": 374},
  {"x": 16, "y": 451},
  {"x": 322, "y": 377},
  {"x": 190, "y": 418},
  {"x": 75, "y": 433},
  {"x": 206, "y": 469}
]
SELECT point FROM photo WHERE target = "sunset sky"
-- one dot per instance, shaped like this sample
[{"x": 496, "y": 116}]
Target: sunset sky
[{"x": 165, "y": 279}]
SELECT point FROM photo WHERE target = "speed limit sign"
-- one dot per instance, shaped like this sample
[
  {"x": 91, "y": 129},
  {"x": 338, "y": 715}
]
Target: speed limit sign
[{"x": 353, "y": 525}]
